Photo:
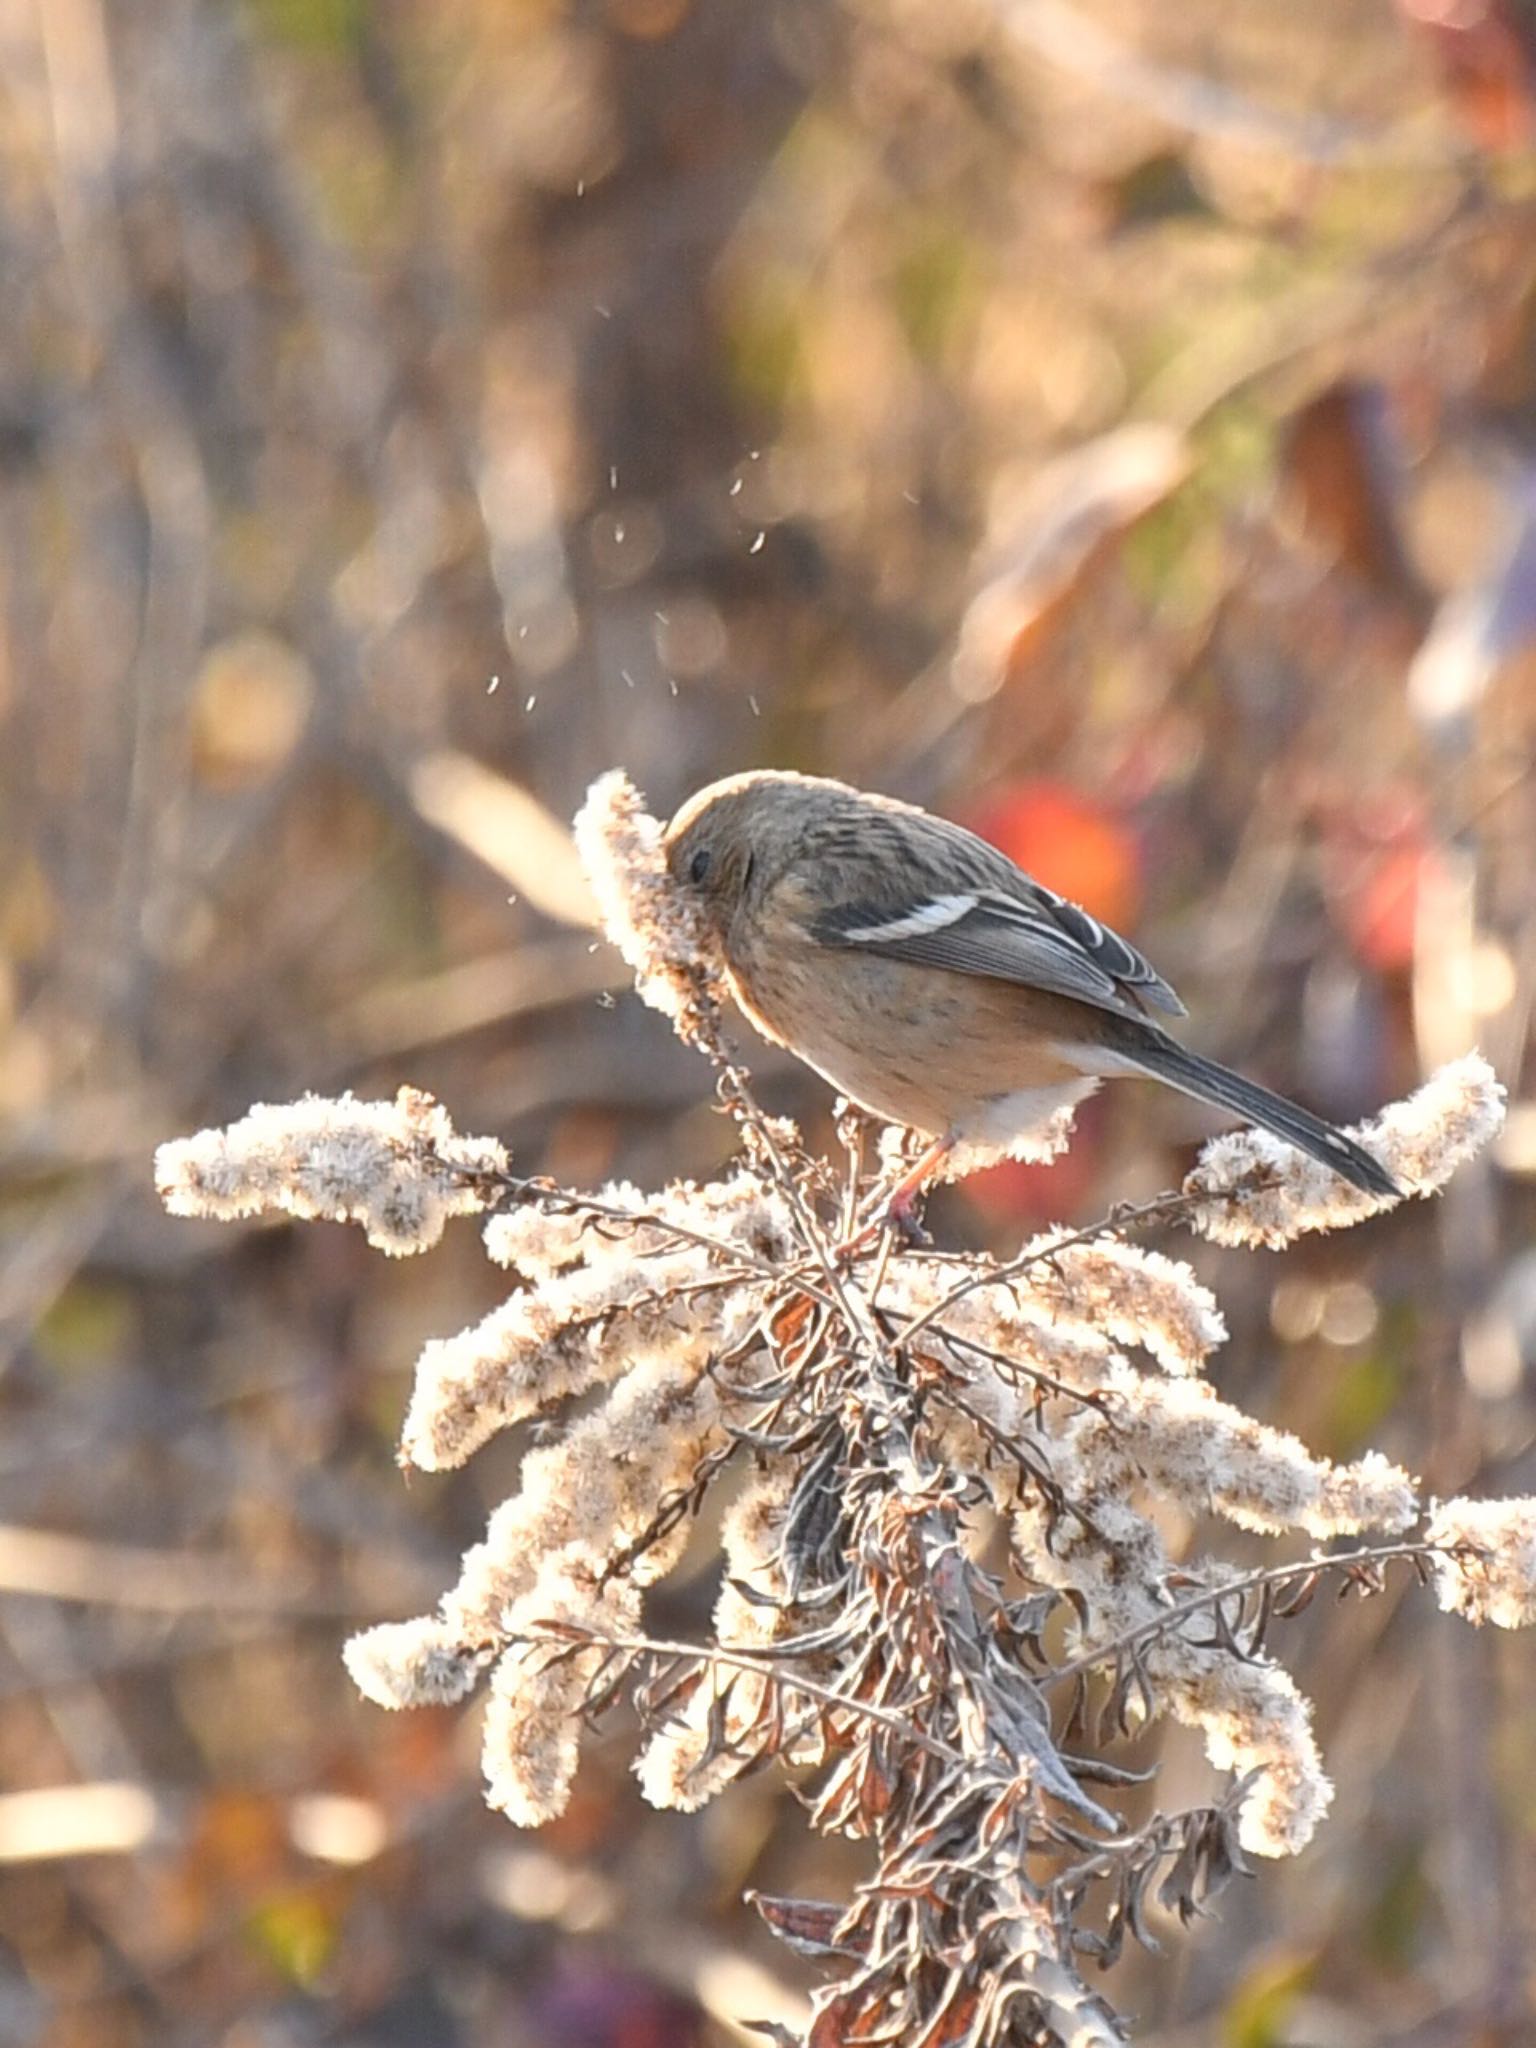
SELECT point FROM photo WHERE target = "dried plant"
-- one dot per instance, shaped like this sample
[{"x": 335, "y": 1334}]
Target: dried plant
[{"x": 889, "y": 1424}]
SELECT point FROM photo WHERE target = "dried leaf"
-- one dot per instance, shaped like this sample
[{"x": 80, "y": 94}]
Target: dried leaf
[
  {"x": 1047, "y": 542},
  {"x": 808, "y": 1925},
  {"x": 1346, "y": 479}
]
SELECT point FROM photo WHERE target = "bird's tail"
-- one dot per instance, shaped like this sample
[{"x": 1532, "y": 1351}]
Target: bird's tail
[{"x": 1207, "y": 1081}]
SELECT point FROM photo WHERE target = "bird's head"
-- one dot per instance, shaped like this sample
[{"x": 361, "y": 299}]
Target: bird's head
[
  {"x": 713, "y": 845},
  {"x": 732, "y": 842}
]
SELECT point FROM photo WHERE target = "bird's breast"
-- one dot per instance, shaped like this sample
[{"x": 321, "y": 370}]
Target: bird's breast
[{"x": 940, "y": 1052}]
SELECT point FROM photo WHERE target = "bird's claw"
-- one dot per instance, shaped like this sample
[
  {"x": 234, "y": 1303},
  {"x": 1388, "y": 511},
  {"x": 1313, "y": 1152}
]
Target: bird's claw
[
  {"x": 907, "y": 1227},
  {"x": 896, "y": 1213}
]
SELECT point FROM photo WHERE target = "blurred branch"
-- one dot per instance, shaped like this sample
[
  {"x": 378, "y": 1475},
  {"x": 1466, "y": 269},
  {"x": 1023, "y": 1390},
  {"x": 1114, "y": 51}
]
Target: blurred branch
[
  {"x": 1073, "y": 41},
  {"x": 507, "y": 828},
  {"x": 539, "y": 975},
  {"x": 60, "y": 1567}
]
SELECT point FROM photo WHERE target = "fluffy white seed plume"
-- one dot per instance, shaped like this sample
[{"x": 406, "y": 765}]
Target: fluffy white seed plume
[
  {"x": 533, "y": 1717},
  {"x": 538, "y": 1242},
  {"x": 1261, "y": 1192},
  {"x": 702, "y": 1745},
  {"x": 1252, "y": 1718},
  {"x": 1035, "y": 1148},
  {"x": 597, "y": 1489},
  {"x": 659, "y": 933},
  {"x": 1210, "y": 1457},
  {"x": 557, "y": 1550},
  {"x": 619, "y": 1226},
  {"x": 1247, "y": 1709},
  {"x": 1490, "y": 1573},
  {"x": 577, "y": 1331},
  {"x": 412, "y": 1664},
  {"x": 996, "y": 1334},
  {"x": 397, "y": 1168},
  {"x": 714, "y": 1733},
  {"x": 1132, "y": 1295},
  {"x": 626, "y": 1280}
]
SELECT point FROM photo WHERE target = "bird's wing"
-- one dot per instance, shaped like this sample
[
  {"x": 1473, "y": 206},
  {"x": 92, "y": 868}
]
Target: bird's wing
[{"x": 1024, "y": 933}]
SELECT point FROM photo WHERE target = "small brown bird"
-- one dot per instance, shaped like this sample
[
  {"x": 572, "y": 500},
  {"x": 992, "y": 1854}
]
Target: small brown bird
[{"x": 930, "y": 979}]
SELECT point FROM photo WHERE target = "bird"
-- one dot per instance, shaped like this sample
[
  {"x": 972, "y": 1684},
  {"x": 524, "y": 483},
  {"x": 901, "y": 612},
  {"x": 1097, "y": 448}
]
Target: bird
[{"x": 933, "y": 982}]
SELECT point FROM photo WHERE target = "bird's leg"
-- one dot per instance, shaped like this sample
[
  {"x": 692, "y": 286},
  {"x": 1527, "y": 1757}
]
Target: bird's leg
[
  {"x": 898, "y": 1210},
  {"x": 900, "y": 1207}
]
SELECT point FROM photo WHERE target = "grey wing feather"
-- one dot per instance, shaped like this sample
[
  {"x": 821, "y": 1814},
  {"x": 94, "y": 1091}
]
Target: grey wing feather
[{"x": 1037, "y": 938}]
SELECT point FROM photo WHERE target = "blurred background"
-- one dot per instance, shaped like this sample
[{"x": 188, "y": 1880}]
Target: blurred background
[{"x": 1112, "y": 424}]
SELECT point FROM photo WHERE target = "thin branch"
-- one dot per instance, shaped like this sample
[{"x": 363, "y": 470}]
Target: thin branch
[
  {"x": 1164, "y": 1208},
  {"x": 1237, "y": 1589},
  {"x": 558, "y": 1201},
  {"x": 751, "y": 1661}
]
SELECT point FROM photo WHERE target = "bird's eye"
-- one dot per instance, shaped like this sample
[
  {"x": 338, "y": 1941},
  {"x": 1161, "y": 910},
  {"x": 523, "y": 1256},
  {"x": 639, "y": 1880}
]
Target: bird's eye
[{"x": 698, "y": 867}]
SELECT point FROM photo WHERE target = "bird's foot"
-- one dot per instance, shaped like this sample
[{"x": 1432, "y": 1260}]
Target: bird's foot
[
  {"x": 902, "y": 1224},
  {"x": 896, "y": 1212},
  {"x": 900, "y": 1215}
]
